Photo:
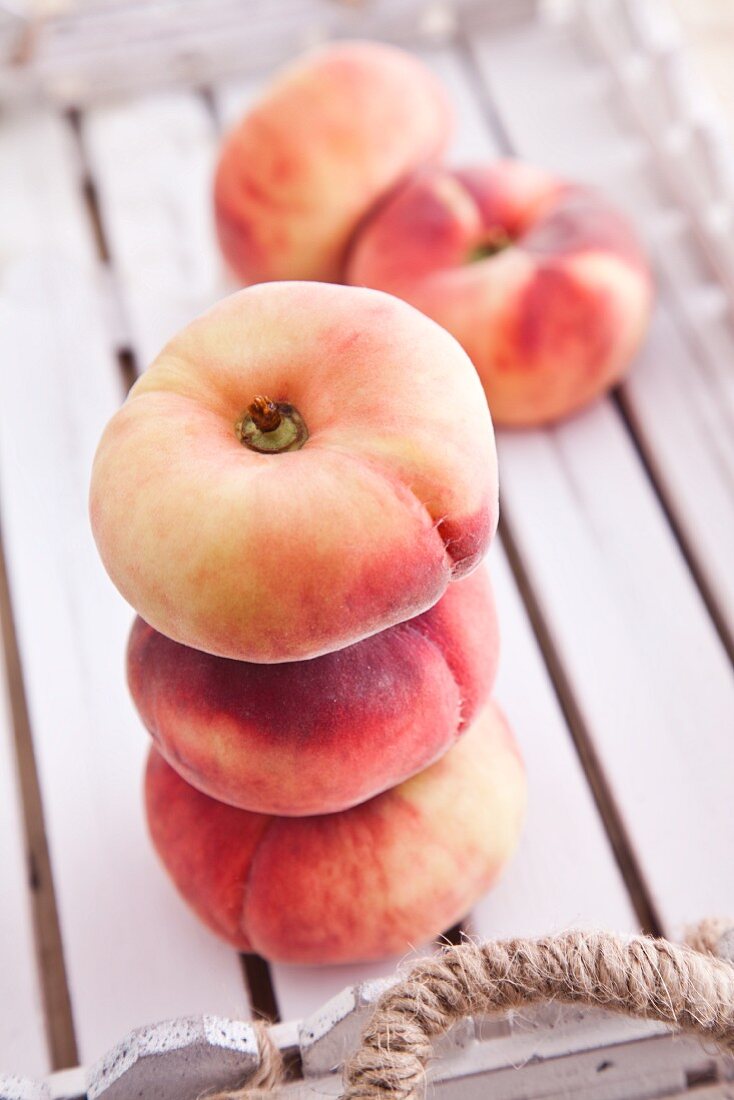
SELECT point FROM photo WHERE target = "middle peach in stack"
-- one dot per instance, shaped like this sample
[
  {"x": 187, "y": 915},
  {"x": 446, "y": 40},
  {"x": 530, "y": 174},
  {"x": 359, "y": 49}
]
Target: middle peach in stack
[{"x": 306, "y": 650}]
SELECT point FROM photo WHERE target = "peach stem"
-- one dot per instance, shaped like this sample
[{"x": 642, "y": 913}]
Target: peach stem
[{"x": 264, "y": 414}]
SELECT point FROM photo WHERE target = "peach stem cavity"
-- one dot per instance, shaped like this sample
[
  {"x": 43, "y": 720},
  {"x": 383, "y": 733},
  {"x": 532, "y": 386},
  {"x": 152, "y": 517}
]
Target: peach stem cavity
[
  {"x": 496, "y": 241},
  {"x": 271, "y": 427}
]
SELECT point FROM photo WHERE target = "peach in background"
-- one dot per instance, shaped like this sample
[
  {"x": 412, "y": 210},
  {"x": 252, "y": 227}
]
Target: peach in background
[{"x": 544, "y": 283}]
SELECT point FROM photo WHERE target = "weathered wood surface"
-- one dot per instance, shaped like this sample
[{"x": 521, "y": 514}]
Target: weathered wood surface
[{"x": 609, "y": 614}]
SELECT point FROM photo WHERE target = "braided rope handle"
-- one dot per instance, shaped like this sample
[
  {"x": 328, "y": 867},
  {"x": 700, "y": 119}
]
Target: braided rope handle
[{"x": 688, "y": 988}]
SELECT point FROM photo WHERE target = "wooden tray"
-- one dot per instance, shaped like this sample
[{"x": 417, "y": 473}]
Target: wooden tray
[{"x": 613, "y": 569}]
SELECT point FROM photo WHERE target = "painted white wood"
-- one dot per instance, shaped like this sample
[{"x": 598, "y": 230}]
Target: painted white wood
[
  {"x": 153, "y": 161},
  {"x": 22, "y": 1037},
  {"x": 133, "y": 952},
  {"x": 681, "y": 390},
  {"x": 564, "y": 874},
  {"x": 86, "y": 56},
  {"x": 641, "y": 656}
]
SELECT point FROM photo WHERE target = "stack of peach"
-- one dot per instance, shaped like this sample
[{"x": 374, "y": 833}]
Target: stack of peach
[
  {"x": 298, "y": 493},
  {"x": 296, "y": 498}
]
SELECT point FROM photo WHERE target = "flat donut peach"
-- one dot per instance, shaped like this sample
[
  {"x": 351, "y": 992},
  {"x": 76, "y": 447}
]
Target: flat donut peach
[
  {"x": 332, "y": 134},
  {"x": 367, "y": 883},
  {"x": 280, "y": 527},
  {"x": 543, "y": 282},
  {"x": 308, "y": 737}
]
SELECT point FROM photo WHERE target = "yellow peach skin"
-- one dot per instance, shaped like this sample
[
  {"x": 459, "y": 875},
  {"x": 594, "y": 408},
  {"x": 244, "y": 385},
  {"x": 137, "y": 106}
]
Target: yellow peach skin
[
  {"x": 334, "y": 132},
  {"x": 544, "y": 283},
  {"x": 367, "y": 883},
  {"x": 265, "y": 542}
]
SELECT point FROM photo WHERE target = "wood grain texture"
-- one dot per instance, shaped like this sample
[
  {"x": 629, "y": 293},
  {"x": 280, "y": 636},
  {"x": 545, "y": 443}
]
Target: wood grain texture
[{"x": 631, "y": 636}]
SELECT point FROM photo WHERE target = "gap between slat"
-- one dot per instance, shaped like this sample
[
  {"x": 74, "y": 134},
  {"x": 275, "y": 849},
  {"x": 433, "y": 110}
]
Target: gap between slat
[
  {"x": 259, "y": 982},
  {"x": 58, "y": 1016}
]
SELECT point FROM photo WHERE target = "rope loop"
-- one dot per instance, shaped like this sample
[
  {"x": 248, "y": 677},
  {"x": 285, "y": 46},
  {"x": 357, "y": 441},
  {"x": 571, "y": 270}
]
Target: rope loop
[
  {"x": 646, "y": 978},
  {"x": 689, "y": 988}
]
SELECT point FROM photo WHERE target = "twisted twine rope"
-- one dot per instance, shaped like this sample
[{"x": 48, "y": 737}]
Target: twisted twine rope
[
  {"x": 685, "y": 987},
  {"x": 646, "y": 978}
]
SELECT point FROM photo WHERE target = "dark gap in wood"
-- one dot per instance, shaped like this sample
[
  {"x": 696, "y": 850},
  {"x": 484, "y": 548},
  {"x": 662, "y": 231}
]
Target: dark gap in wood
[
  {"x": 292, "y": 1064},
  {"x": 58, "y": 1015},
  {"x": 627, "y": 416},
  {"x": 91, "y": 202},
  {"x": 453, "y": 936},
  {"x": 209, "y": 100},
  {"x": 89, "y": 190},
  {"x": 645, "y": 909},
  {"x": 703, "y": 1075},
  {"x": 128, "y": 364},
  {"x": 259, "y": 982}
]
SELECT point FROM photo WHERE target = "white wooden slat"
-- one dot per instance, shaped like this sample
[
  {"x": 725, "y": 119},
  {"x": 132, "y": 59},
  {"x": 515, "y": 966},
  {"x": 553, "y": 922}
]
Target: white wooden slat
[
  {"x": 564, "y": 874},
  {"x": 681, "y": 392},
  {"x": 80, "y": 58},
  {"x": 544, "y": 887},
  {"x": 22, "y": 1036},
  {"x": 647, "y": 671},
  {"x": 153, "y": 161},
  {"x": 133, "y": 953}
]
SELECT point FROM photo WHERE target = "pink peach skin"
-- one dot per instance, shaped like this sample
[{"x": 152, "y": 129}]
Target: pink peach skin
[
  {"x": 310, "y": 737},
  {"x": 334, "y": 132},
  {"x": 366, "y": 883},
  {"x": 551, "y": 320},
  {"x": 281, "y": 557}
]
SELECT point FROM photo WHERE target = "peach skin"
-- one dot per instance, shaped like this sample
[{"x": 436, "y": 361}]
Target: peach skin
[
  {"x": 543, "y": 282},
  {"x": 336, "y": 131},
  {"x": 366, "y": 883},
  {"x": 301, "y": 467},
  {"x": 308, "y": 737}
]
